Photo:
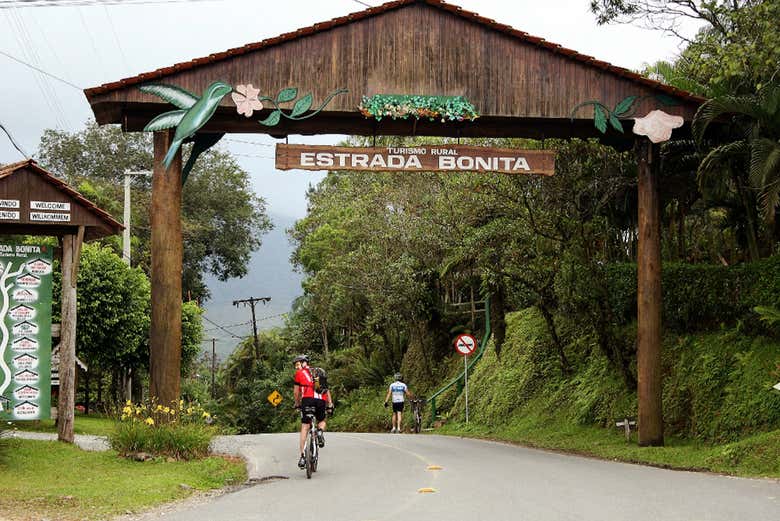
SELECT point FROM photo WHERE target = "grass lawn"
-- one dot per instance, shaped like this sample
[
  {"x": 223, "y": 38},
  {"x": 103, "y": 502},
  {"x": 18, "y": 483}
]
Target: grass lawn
[
  {"x": 52, "y": 480},
  {"x": 93, "y": 424},
  {"x": 755, "y": 456}
]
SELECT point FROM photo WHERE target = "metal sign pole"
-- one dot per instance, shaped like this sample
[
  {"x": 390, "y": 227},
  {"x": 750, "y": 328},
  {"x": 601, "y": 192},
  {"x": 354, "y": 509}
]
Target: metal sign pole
[{"x": 466, "y": 383}]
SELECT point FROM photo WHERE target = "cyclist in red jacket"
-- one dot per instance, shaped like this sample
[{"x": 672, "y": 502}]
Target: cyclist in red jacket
[{"x": 309, "y": 401}]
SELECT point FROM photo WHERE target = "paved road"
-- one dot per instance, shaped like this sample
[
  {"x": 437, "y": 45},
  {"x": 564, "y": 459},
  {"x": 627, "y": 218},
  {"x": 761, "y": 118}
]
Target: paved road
[{"x": 376, "y": 477}]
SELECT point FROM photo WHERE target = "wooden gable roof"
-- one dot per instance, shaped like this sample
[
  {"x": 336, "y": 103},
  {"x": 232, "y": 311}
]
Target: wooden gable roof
[
  {"x": 25, "y": 185},
  {"x": 521, "y": 85}
]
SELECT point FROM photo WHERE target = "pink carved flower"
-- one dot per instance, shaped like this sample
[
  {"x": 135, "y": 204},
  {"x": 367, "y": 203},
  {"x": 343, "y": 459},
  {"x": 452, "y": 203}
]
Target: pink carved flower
[
  {"x": 246, "y": 100},
  {"x": 657, "y": 125}
]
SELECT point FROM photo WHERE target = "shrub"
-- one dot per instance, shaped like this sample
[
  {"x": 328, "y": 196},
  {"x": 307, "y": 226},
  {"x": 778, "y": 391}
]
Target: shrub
[
  {"x": 699, "y": 296},
  {"x": 181, "y": 432}
]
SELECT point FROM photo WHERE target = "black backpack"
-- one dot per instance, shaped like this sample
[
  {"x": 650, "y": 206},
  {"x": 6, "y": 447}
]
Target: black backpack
[{"x": 320, "y": 379}]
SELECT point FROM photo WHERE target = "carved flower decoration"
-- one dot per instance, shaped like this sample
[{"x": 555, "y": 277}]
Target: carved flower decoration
[
  {"x": 245, "y": 98},
  {"x": 657, "y": 125}
]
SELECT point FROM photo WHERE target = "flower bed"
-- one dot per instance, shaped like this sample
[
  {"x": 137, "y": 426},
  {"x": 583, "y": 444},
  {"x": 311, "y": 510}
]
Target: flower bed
[
  {"x": 442, "y": 108},
  {"x": 180, "y": 431}
]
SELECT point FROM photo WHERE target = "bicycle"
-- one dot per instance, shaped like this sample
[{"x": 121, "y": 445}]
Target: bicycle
[
  {"x": 311, "y": 449},
  {"x": 417, "y": 411}
]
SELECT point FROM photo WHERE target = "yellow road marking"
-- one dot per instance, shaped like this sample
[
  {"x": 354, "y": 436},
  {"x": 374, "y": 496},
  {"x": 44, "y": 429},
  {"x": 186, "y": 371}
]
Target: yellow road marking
[
  {"x": 426, "y": 490},
  {"x": 435, "y": 467}
]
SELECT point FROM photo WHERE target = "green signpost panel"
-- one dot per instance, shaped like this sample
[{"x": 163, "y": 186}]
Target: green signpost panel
[{"x": 25, "y": 331}]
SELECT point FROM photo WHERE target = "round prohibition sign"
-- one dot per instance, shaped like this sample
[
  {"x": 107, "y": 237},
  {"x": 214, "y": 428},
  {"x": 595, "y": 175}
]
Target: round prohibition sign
[{"x": 465, "y": 344}]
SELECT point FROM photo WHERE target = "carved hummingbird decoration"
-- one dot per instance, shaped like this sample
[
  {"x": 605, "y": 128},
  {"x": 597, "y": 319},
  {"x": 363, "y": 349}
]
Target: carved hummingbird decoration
[{"x": 193, "y": 112}]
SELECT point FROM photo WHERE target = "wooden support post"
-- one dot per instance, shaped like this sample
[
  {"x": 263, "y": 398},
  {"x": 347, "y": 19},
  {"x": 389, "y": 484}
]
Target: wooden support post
[
  {"x": 71, "y": 252},
  {"x": 651, "y": 425},
  {"x": 166, "y": 250}
]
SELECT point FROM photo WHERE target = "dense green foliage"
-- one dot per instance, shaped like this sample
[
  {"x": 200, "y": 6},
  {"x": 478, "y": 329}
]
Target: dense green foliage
[
  {"x": 113, "y": 317},
  {"x": 736, "y": 49},
  {"x": 696, "y": 297},
  {"x": 245, "y": 382},
  {"x": 112, "y": 309}
]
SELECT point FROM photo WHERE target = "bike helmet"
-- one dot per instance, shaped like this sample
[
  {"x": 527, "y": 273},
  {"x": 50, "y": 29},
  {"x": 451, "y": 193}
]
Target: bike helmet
[
  {"x": 301, "y": 358},
  {"x": 398, "y": 376}
]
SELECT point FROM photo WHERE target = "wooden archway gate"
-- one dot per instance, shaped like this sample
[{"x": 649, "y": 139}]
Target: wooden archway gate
[{"x": 521, "y": 86}]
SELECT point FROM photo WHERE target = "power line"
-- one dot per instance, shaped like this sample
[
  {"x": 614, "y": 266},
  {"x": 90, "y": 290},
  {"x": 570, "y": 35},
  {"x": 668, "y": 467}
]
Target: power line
[
  {"x": 116, "y": 38},
  {"x": 269, "y": 317},
  {"x": 228, "y": 326},
  {"x": 13, "y": 4},
  {"x": 91, "y": 39},
  {"x": 362, "y": 3},
  {"x": 19, "y": 29},
  {"x": 16, "y": 146},
  {"x": 256, "y": 143},
  {"x": 66, "y": 82},
  {"x": 252, "y": 155},
  {"x": 220, "y": 327}
]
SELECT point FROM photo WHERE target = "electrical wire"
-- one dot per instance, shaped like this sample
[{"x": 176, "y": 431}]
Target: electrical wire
[
  {"x": 13, "y": 142},
  {"x": 247, "y": 142},
  {"x": 207, "y": 319},
  {"x": 13, "y": 4},
  {"x": 25, "y": 44},
  {"x": 101, "y": 65},
  {"x": 116, "y": 39},
  {"x": 66, "y": 82}
]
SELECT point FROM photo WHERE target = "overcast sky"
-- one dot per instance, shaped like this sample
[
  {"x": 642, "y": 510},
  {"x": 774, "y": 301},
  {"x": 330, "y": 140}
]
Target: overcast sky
[{"x": 101, "y": 42}]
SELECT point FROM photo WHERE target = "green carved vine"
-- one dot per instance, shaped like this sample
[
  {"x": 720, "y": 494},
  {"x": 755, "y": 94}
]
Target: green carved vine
[
  {"x": 299, "y": 108},
  {"x": 625, "y": 108},
  {"x": 442, "y": 108}
]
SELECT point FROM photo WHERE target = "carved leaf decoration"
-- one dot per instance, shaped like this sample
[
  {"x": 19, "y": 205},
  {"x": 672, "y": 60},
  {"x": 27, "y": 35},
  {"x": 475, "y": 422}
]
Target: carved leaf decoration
[
  {"x": 177, "y": 96},
  {"x": 165, "y": 120},
  {"x": 286, "y": 95},
  {"x": 615, "y": 122},
  {"x": 599, "y": 118},
  {"x": 623, "y": 107},
  {"x": 302, "y": 105},
  {"x": 272, "y": 119}
]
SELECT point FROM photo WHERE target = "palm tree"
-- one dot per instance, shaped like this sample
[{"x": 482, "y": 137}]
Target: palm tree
[{"x": 751, "y": 156}]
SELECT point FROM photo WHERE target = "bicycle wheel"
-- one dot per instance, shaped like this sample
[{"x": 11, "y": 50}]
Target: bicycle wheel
[
  {"x": 308, "y": 456},
  {"x": 417, "y": 422},
  {"x": 316, "y": 454}
]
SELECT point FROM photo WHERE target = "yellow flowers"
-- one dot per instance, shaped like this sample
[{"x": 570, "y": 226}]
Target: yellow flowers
[{"x": 152, "y": 413}]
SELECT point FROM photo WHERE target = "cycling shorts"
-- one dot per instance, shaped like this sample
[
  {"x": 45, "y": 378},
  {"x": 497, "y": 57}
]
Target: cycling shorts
[
  {"x": 398, "y": 406},
  {"x": 312, "y": 406}
]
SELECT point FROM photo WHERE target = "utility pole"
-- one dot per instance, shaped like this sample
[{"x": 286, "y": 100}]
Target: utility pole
[
  {"x": 251, "y": 302},
  {"x": 213, "y": 365},
  {"x": 126, "y": 233},
  {"x": 127, "y": 376}
]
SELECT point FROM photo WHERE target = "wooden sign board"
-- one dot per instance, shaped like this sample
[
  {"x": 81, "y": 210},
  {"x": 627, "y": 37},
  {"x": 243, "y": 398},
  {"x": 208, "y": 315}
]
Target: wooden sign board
[{"x": 421, "y": 158}]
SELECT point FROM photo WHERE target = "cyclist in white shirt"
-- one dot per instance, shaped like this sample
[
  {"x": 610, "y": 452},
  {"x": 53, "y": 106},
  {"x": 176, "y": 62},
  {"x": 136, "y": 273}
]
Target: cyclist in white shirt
[{"x": 397, "y": 391}]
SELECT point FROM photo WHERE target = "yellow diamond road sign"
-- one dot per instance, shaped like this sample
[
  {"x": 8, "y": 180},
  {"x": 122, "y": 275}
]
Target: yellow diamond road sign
[{"x": 275, "y": 398}]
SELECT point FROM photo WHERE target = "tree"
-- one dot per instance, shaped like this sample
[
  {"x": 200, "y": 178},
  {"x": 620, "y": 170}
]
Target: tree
[
  {"x": 753, "y": 150},
  {"x": 191, "y": 336},
  {"x": 736, "y": 50},
  {"x": 112, "y": 327},
  {"x": 222, "y": 220}
]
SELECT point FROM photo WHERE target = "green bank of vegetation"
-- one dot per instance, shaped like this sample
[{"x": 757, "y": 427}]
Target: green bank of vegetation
[{"x": 58, "y": 481}]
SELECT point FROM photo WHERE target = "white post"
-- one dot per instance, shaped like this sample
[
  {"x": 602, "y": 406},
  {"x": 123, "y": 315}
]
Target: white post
[
  {"x": 126, "y": 233},
  {"x": 466, "y": 383},
  {"x": 128, "y": 375}
]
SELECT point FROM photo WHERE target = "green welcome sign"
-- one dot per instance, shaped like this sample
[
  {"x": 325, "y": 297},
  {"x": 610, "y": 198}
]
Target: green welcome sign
[{"x": 25, "y": 331}]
